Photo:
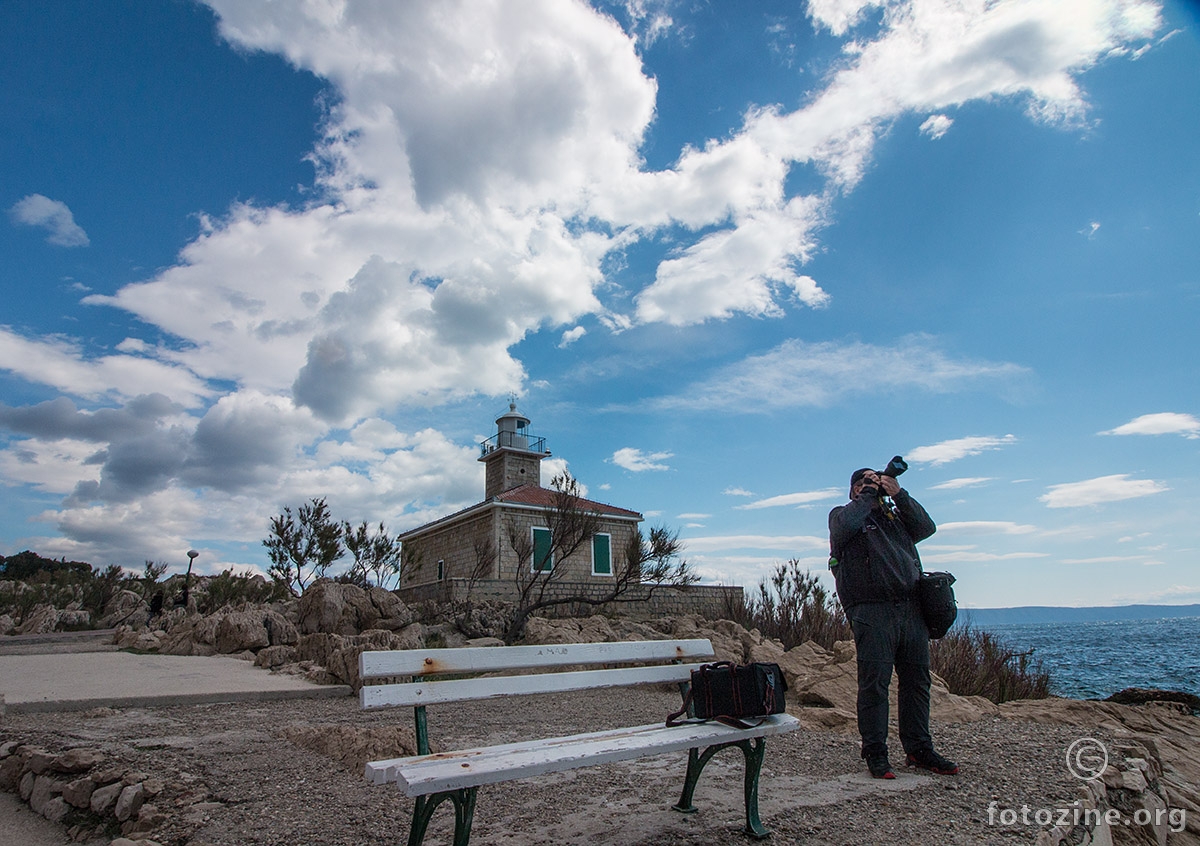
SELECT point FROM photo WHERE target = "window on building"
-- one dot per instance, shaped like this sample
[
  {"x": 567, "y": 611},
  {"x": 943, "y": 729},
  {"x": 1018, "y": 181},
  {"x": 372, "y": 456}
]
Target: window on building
[
  {"x": 602, "y": 555},
  {"x": 441, "y": 570},
  {"x": 543, "y": 551}
]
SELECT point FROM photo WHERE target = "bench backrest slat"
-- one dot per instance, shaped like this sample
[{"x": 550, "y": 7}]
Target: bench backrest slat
[
  {"x": 419, "y": 662},
  {"x": 458, "y": 690}
]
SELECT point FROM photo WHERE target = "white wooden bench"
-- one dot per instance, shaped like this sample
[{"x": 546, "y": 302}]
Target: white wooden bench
[{"x": 457, "y": 775}]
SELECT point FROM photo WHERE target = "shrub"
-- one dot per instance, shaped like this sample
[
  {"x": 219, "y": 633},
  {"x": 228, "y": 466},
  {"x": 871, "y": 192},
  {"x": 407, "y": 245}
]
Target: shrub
[
  {"x": 44, "y": 581},
  {"x": 102, "y": 587},
  {"x": 229, "y": 588},
  {"x": 793, "y": 607},
  {"x": 977, "y": 663}
]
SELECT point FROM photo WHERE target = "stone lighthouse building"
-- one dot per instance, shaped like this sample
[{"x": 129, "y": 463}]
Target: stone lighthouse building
[{"x": 478, "y": 550}]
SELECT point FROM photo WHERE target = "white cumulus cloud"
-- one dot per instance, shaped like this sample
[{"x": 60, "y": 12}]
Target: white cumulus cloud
[
  {"x": 985, "y": 527},
  {"x": 966, "y": 482},
  {"x": 637, "y": 461},
  {"x": 794, "y": 499},
  {"x": 571, "y": 336},
  {"x": 935, "y": 126},
  {"x": 478, "y": 168},
  {"x": 953, "y": 450},
  {"x": 799, "y": 373},
  {"x": 51, "y": 215},
  {"x": 1163, "y": 423},
  {"x": 1114, "y": 488}
]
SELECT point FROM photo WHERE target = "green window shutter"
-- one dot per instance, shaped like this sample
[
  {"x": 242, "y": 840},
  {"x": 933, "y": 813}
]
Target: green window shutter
[
  {"x": 601, "y": 555},
  {"x": 543, "y": 553}
]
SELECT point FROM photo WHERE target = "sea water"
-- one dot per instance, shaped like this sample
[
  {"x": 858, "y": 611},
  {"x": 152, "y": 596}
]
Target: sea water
[{"x": 1096, "y": 659}]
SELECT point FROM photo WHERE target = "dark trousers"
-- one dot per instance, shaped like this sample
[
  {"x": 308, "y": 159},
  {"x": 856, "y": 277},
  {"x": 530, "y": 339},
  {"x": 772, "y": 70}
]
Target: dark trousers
[{"x": 888, "y": 634}]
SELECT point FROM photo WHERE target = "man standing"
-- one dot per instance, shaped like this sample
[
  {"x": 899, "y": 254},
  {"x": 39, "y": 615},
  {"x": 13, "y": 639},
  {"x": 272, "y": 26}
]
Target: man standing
[{"x": 875, "y": 564}]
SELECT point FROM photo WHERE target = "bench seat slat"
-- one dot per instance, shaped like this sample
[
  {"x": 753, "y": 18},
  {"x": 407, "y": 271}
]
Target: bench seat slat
[
  {"x": 421, "y": 775},
  {"x": 481, "y": 659},
  {"x": 459, "y": 690}
]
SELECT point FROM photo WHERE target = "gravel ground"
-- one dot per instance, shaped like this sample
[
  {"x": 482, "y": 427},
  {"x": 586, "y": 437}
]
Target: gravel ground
[{"x": 233, "y": 777}]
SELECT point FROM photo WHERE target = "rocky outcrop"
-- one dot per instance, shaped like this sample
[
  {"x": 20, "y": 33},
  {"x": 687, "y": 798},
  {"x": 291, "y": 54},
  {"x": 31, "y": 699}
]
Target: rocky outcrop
[
  {"x": 126, "y": 608},
  {"x": 331, "y": 608},
  {"x": 338, "y": 654},
  {"x": 229, "y": 631},
  {"x": 1153, "y": 763},
  {"x": 1157, "y": 740},
  {"x": 40, "y": 620},
  {"x": 253, "y": 629},
  {"x": 1154, "y": 696}
]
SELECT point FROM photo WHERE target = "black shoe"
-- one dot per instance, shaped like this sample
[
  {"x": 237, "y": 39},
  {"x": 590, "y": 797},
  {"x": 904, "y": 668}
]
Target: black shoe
[
  {"x": 879, "y": 767},
  {"x": 927, "y": 759}
]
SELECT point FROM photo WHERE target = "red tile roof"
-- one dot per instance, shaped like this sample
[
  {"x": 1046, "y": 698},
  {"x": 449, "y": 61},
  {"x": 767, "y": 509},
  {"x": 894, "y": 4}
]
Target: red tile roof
[
  {"x": 526, "y": 495},
  {"x": 546, "y": 498}
]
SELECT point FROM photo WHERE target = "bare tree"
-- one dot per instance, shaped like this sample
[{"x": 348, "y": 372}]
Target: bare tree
[
  {"x": 646, "y": 561},
  {"x": 153, "y": 571},
  {"x": 485, "y": 559},
  {"x": 303, "y": 547},
  {"x": 412, "y": 561},
  {"x": 376, "y": 555}
]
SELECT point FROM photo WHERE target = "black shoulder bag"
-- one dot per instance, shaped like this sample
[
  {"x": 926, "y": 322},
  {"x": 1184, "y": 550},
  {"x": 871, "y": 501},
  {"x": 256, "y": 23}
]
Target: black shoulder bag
[{"x": 935, "y": 592}]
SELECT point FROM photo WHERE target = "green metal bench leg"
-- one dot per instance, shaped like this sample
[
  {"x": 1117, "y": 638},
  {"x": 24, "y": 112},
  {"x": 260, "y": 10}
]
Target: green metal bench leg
[
  {"x": 754, "y": 761},
  {"x": 696, "y": 762},
  {"x": 464, "y": 814},
  {"x": 754, "y": 754}
]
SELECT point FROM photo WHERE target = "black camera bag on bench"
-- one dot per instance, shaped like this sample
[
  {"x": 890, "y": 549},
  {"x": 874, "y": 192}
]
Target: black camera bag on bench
[{"x": 729, "y": 692}]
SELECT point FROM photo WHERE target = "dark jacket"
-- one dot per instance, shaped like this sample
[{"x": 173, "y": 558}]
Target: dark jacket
[{"x": 876, "y": 550}]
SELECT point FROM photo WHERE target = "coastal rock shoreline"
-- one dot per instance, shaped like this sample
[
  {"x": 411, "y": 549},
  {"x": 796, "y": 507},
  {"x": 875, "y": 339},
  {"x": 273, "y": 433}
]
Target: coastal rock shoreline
[{"x": 1153, "y": 767}]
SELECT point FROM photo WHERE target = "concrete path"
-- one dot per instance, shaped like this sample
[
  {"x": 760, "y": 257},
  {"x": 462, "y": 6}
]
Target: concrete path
[
  {"x": 20, "y": 826},
  {"x": 81, "y": 670},
  {"x": 94, "y": 640},
  {"x": 49, "y": 674}
]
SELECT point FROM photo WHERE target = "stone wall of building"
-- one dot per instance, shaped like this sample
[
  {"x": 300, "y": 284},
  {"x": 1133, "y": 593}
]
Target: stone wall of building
[
  {"x": 460, "y": 546},
  {"x": 714, "y": 602},
  {"x": 578, "y": 566}
]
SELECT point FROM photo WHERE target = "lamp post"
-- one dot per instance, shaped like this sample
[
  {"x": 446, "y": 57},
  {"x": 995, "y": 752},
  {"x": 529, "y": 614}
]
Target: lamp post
[{"x": 187, "y": 582}]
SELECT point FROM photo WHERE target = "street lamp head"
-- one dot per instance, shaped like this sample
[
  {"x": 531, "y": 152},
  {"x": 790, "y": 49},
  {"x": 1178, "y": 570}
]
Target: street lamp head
[{"x": 191, "y": 553}]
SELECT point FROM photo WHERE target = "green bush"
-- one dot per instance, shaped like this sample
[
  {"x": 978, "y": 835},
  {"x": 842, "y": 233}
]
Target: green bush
[
  {"x": 28, "y": 566},
  {"x": 32, "y": 580},
  {"x": 229, "y": 588}
]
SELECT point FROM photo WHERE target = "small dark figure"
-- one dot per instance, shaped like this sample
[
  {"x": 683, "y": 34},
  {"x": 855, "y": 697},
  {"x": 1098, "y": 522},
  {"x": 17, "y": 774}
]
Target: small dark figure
[{"x": 156, "y": 606}]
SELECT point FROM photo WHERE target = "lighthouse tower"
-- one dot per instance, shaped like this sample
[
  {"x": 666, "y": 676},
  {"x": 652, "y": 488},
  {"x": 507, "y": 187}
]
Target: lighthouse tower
[{"x": 513, "y": 456}]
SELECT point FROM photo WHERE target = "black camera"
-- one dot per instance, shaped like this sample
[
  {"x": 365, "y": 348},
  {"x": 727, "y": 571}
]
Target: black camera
[{"x": 895, "y": 467}]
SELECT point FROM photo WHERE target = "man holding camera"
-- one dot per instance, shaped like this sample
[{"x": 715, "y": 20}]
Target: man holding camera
[{"x": 876, "y": 566}]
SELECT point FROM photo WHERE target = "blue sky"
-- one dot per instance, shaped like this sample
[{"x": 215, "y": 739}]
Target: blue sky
[{"x": 723, "y": 254}]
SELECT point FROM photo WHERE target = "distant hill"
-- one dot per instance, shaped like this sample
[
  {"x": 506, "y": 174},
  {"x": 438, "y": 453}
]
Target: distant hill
[{"x": 983, "y": 617}]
